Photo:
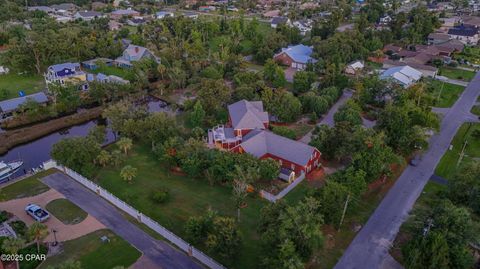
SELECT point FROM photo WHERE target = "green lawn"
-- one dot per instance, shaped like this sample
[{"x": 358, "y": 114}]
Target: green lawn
[
  {"x": 476, "y": 110},
  {"x": 449, "y": 93},
  {"x": 93, "y": 253},
  {"x": 66, "y": 211},
  {"x": 188, "y": 197},
  {"x": 26, "y": 187},
  {"x": 113, "y": 70},
  {"x": 14, "y": 83},
  {"x": 448, "y": 164},
  {"x": 458, "y": 74}
]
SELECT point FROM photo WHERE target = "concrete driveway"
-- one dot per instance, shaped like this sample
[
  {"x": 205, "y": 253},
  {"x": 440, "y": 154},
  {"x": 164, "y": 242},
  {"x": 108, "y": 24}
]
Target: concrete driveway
[
  {"x": 370, "y": 247},
  {"x": 64, "y": 232},
  {"x": 156, "y": 252}
]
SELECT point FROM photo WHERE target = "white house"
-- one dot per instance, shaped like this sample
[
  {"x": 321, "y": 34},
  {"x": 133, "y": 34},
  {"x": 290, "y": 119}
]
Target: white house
[
  {"x": 88, "y": 15},
  {"x": 164, "y": 14},
  {"x": 354, "y": 67},
  {"x": 403, "y": 75}
]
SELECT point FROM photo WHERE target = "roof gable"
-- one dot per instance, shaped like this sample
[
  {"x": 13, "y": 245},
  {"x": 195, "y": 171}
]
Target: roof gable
[
  {"x": 261, "y": 142},
  {"x": 247, "y": 115}
]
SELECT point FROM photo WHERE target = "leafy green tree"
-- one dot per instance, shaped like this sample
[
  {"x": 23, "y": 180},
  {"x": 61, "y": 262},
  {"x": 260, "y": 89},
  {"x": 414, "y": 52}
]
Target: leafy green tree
[
  {"x": 224, "y": 238},
  {"x": 128, "y": 172},
  {"x": 274, "y": 74},
  {"x": 125, "y": 144},
  {"x": 197, "y": 116},
  {"x": 302, "y": 81},
  {"x": 38, "y": 232},
  {"x": 349, "y": 112},
  {"x": 465, "y": 188},
  {"x": 77, "y": 153},
  {"x": 269, "y": 169},
  {"x": 428, "y": 252},
  {"x": 213, "y": 94},
  {"x": 298, "y": 223},
  {"x": 13, "y": 246},
  {"x": 103, "y": 158}
]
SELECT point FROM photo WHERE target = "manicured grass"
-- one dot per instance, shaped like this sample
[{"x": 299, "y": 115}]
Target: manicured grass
[
  {"x": 66, "y": 211},
  {"x": 188, "y": 197},
  {"x": 113, "y": 70},
  {"x": 448, "y": 164},
  {"x": 449, "y": 93},
  {"x": 14, "y": 83},
  {"x": 476, "y": 110},
  {"x": 26, "y": 187},
  {"x": 93, "y": 253},
  {"x": 458, "y": 74}
]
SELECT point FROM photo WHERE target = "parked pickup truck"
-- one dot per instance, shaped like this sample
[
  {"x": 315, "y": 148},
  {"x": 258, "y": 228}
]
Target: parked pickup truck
[{"x": 37, "y": 213}]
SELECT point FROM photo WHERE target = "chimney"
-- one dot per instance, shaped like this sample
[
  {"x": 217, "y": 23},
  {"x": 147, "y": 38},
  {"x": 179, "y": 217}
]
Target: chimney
[{"x": 137, "y": 49}]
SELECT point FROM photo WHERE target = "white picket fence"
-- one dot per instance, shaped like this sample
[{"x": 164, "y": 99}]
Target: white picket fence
[
  {"x": 273, "y": 198},
  {"x": 174, "y": 239}
]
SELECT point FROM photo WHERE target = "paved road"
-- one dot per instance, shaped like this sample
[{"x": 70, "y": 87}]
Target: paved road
[
  {"x": 160, "y": 254},
  {"x": 370, "y": 247},
  {"x": 328, "y": 119}
]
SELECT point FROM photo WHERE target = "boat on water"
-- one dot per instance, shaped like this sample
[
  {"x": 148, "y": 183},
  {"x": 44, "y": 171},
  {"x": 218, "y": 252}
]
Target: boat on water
[{"x": 7, "y": 169}]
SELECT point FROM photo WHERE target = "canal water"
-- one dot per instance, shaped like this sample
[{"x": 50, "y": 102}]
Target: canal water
[{"x": 34, "y": 153}]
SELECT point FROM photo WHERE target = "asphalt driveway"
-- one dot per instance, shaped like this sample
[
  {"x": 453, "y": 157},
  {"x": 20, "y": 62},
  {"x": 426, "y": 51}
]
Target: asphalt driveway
[{"x": 161, "y": 254}]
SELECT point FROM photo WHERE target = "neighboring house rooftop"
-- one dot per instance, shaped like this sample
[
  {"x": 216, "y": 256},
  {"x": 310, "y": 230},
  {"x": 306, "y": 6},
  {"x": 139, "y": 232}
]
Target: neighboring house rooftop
[
  {"x": 13, "y": 104},
  {"x": 64, "y": 6},
  {"x": 247, "y": 115},
  {"x": 89, "y": 14},
  {"x": 463, "y": 30},
  {"x": 41, "y": 8},
  {"x": 60, "y": 67},
  {"x": 125, "y": 12},
  {"x": 299, "y": 53},
  {"x": 406, "y": 75},
  {"x": 135, "y": 51},
  {"x": 356, "y": 65},
  {"x": 439, "y": 36},
  {"x": 279, "y": 20},
  {"x": 260, "y": 143}
]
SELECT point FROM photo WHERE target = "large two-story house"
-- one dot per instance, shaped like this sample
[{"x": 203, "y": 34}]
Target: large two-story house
[
  {"x": 247, "y": 132},
  {"x": 134, "y": 53},
  {"x": 66, "y": 74}
]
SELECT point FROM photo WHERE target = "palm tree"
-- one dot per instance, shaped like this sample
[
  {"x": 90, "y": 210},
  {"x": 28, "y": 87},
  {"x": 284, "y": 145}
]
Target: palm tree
[
  {"x": 38, "y": 231},
  {"x": 13, "y": 245},
  {"x": 128, "y": 173},
  {"x": 103, "y": 158},
  {"x": 125, "y": 144}
]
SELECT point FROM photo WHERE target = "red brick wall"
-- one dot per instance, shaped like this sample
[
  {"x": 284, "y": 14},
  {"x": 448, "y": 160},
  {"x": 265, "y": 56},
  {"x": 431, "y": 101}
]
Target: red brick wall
[{"x": 284, "y": 59}]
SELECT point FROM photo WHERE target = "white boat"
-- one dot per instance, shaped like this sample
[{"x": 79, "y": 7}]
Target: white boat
[{"x": 7, "y": 169}]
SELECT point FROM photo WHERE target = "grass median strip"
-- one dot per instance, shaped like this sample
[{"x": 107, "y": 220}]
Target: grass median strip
[{"x": 66, "y": 211}]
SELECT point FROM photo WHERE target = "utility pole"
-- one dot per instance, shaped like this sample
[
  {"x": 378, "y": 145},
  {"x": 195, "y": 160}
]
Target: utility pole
[
  {"x": 462, "y": 153},
  {"x": 344, "y": 210},
  {"x": 440, "y": 93}
]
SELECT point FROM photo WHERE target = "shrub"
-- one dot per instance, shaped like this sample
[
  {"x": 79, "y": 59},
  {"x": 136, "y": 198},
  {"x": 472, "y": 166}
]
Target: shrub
[
  {"x": 19, "y": 227},
  {"x": 160, "y": 196},
  {"x": 3, "y": 216}
]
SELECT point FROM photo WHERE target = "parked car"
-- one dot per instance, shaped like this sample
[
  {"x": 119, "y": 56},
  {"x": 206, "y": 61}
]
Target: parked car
[
  {"x": 37, "y": 213},
  {"x": 415, "y": 160}
]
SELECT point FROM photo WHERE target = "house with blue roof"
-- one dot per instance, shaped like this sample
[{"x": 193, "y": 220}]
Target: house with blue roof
[
  {"x": 7, "y": 107},
  {"x": 296, "y": 57},
  {"x": 66, "y": 74}
]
